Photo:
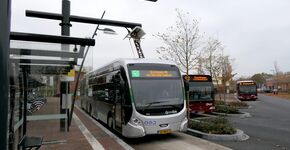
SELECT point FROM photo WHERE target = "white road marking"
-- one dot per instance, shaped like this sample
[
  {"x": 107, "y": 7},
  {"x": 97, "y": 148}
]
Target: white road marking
[
  {"x": 120, "y": 141},
  {"x": 90, "y": 138}
]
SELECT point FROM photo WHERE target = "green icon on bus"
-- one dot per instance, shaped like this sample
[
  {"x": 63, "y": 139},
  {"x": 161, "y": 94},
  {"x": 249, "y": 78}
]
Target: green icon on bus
[{"x": 135, "y": 73}]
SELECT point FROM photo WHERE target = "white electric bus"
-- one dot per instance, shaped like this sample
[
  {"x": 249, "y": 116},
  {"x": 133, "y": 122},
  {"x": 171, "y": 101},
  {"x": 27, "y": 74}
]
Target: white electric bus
[{"x": 136, "y": 97}]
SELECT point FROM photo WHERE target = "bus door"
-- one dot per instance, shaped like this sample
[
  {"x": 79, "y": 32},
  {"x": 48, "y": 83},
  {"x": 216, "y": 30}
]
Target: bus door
[{"x": 118, "y": 104}]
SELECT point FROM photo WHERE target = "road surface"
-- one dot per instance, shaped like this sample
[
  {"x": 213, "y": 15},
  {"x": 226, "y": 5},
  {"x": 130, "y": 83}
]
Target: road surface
[
  {"x": 175, "y": 141},
  {"x": 268, "y": 128}
]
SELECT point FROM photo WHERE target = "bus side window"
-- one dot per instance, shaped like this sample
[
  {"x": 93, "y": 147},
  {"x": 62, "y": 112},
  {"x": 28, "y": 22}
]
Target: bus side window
[
  {"x": 107, "y": 94},
  {"x": 117, "y": 87},
  {"x": 118, "y": 93}
]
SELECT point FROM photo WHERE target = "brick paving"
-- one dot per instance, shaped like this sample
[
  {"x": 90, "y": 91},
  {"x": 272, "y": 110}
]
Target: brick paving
[
  {"x": 54, "y": 139},
  {"x": 108, "y": 142}
]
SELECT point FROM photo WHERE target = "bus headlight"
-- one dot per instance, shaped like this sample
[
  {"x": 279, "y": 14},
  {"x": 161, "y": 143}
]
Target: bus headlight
[{"x": 136, "y": 121}]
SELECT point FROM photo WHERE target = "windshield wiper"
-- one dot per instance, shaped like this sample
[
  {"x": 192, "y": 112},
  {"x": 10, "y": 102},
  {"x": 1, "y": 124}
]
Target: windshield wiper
[
  {"x": 149, "y": 104},
  {"x": 176, "y": 106}
]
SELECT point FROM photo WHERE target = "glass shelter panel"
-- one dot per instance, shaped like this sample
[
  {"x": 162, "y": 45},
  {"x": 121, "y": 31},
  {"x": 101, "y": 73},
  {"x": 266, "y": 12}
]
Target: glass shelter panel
[{"x": 37, "y": 74}]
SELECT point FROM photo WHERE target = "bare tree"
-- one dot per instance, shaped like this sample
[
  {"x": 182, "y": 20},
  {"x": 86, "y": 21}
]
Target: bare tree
[
  {"x": 217, "y": 64},
  {"x": 182, "y": 42},
  {"x": 227, "y": 72},
  {"x": 200, "y": 63},
  {"x": 281, "y": 79},
  {"x": 277, "y": 73},
  {"x": 276, "y": 68},
  {"x": 213, "y": 52},
  {"x": 213, "y": 58}
]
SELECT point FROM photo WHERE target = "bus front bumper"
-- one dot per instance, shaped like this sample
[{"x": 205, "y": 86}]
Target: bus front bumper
[
  {"x": 247, "y": 97},
  {"x": 133, "y": 131},
  {"x": 183, "y": 125}
]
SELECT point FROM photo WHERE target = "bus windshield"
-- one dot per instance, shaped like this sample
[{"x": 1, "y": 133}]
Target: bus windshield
[
  {"x": 156, "y": 86},
  {"x": 148, "y": 91},
  {"x": 247, "y": 89},
  {"x": 200, "y": 91}
]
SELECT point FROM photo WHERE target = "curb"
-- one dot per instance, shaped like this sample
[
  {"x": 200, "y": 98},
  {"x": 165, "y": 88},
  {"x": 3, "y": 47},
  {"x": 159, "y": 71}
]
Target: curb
[
  {"x": 241, "y": 115},
  {"x": 238, "y": 136},
  {"x": 249, "y": 107}
]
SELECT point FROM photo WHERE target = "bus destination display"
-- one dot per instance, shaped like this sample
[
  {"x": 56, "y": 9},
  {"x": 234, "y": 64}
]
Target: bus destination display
[
  {"x": 196, "y": 78},
  {"x": 153, "y": 73},
  {"x": 247, "y": 83}
]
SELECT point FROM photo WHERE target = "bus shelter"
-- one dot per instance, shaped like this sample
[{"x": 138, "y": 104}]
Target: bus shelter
[{"x": 32, "y": 57}]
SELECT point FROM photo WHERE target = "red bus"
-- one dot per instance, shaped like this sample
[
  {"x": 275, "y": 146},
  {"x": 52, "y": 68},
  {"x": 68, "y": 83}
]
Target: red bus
[
  {"x": 200, "y": 93},
  {"x": 247, "y": 90}
]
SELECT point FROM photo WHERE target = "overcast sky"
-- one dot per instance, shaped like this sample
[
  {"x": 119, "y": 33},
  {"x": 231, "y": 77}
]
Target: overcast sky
[{"x": 255, "y": 32}]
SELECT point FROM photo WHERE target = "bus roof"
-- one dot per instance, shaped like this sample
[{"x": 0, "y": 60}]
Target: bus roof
[{"x": 125, "y": 61}]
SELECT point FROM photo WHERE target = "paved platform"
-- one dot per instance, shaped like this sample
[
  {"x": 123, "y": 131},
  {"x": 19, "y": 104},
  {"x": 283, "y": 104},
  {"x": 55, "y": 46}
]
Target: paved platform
[{"x": 84, "y": 133}]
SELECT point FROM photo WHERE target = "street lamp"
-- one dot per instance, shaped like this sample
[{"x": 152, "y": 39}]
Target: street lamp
[{"x": 108, "y": 31}]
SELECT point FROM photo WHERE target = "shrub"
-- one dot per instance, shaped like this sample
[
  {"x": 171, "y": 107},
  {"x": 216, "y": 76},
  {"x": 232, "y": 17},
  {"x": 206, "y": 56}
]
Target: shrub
[
  {"x": 217, "y": 125},
  {"x": 231, "y": 107},
  {"x": 226, "y": 109},
  {"x": 219, "y": 103},
  {"x": 238, "y": 104},
  {"x": 234, "y": 104}
]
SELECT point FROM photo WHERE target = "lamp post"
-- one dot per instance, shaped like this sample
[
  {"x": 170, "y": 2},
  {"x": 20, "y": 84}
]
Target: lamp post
[
  {"x": 108, "y": 31},
  {"x": 105, "y": 30},
  {"x": 5, "y": 13}
]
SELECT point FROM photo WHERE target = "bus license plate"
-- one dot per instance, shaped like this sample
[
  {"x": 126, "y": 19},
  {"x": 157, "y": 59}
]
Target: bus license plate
[{"x": 166, "y": 131}]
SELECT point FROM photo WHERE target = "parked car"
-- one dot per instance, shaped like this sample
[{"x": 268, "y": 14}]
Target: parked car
[
  {"x": 267, "y": 90},
  {"x": 275, "y": 91}
]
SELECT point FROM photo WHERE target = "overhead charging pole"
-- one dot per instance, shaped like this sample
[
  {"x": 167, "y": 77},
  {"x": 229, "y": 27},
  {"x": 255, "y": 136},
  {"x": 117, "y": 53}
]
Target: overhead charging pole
[
  {"x": 136, "y": 34},
  {"x": 137, "y": 43}
]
